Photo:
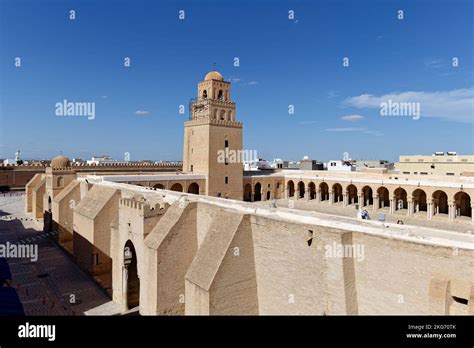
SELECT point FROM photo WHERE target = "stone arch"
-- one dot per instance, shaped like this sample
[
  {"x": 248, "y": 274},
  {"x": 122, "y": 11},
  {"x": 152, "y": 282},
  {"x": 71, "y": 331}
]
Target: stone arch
[
  {"x": 220, "y": 95},
  {"x": 401, "y": 199},
  {"x": 60, "y": 181},
  {"x": 301, "y": 189},
  {"x": 229, "y": 115},
  {"x": 352, "y": 194},
  {"x": 419, "y": 201},
  {"x": 177, "y": 187},
  {"x": 215, "y": 114},
  {"x": 384, "y": 197},
  {"x": 258, "y": 192},
  {"x": 367, "y": 196},
  {"x": 324, "y": 191},
  {"x": 222, "y": 115},
  {"x": 337, "y": 193},
  {"x": 193, "y": 188},
  {"x": 204, "y": 94},
  {"x": 291, "y": 188},
  {"x": 463, "y": 204},
  {"x": 159, "y": 186},
  {"x": 440, "y": 202},
  {"x": 248, "y": 193},
  {"x": 268, "y": 195},
  {"x": 312, "y": 190},
  {"x": 133, "y": 281}
]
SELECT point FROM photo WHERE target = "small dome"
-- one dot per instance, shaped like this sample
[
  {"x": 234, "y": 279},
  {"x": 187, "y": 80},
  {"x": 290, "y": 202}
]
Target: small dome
[
  {"x": 60, "y": 162},
  {"x": 214, "y": 75}
]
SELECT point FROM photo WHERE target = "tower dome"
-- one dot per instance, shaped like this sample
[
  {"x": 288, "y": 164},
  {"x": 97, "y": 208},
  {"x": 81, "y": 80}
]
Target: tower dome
[
  {"x": 214, "y": 75},
  {"x": 60, "y": 162}
]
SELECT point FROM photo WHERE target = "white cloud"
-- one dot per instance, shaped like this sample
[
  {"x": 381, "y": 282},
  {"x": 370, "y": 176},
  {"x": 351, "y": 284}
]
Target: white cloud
[
  {"x": 352, "y": 118},
  {"x": 434, "y": 63},
  {"x": 347, "y": 129},
  {"x": 142, "y": 112},
  {"x": 455, "y": 105},
  {"x": 104, "y": 97},
  {"x": 355, "y": 129}
]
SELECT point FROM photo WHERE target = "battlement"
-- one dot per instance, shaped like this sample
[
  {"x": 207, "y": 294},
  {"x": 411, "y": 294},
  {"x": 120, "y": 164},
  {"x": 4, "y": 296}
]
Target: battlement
[
  {"x": 99, "y": 165},
  {"x": 144, "y": 209},
  {"x": 207, "y": 120}
]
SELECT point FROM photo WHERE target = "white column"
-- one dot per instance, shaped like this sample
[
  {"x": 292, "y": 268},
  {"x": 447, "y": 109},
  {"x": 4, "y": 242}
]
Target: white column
[
  {"x": 331, "y": 196},
  {"x": 376, "y": 203}
]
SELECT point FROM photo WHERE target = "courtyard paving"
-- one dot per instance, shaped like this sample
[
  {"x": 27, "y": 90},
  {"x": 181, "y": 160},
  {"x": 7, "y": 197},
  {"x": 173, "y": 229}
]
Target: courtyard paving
[{"x": 54, "y": 284}]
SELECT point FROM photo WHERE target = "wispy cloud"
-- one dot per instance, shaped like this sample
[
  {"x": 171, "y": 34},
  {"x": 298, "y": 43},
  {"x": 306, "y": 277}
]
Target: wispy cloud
[
  {"x": 454, "y": 105},
  {"x": 345, "y": 129},
  {"x": 356, "y": 129},
  {"x": 352, "y": 118},
  {"x": 243, "y": 82},
  {"x": 104, "y": 97},
  {"x": 142, "y": 112},
  {"x": 434, "y": 63},
  {"x": 250, "y": 83}
]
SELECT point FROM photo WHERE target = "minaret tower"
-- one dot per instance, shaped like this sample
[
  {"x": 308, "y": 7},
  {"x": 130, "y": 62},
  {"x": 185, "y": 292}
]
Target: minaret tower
[{"x": 213, "y": 139}]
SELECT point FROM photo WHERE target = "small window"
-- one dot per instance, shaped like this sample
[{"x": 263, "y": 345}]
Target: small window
[
  {"x": 226, "y": 179},
  {"x": 218, "y": 194},
  {"x": 423, "y": 173},
  {"x": 310, "y": 237},
  {"x": 95, "y": 258},
  {"x": 406, "y": 172},
  {"x": 449, "y": 173},
  {"x": 192, "y": 167},
  {"x": 460, "y": 300},
  {"x": 226, "y": 143}
]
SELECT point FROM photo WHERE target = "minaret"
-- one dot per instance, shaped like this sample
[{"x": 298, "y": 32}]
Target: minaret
[{"x": 213, "y": 139}]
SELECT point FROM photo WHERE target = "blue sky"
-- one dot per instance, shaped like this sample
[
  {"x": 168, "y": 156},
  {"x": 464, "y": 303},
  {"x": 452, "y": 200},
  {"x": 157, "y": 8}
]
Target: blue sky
[{"x": 282, "y": 62}]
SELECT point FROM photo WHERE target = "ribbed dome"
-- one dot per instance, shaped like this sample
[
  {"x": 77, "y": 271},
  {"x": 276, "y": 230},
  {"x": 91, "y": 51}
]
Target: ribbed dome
[
  {"x": 60, "y": 162},
  {"x": 214, "y": 75}
]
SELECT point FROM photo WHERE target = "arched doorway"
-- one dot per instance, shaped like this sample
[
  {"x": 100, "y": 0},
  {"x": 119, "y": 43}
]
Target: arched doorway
[
  {"x": 248, "y": 193},
  {"x": 352, "y": 194},
  {"x": 367, "y": 196},
  {"x": 159, "y": 186},
  {"x": 337, "y": 193},
  {"x": 463, "y": 204},
  {"x": 301, "y": 189},
  {"x": 324, "y": 189},
  {"x": 291, "y": 188},
  {"x": 177, "y": 187},
  {"x": 193, "y": 188},
  {"x": 401, "y": 201},
  {"x": 131, "y": 274},
  {"x": 312, "y": 190},
  {"x": 268, "y": 195},
  {"x": 258, "y": 192},
  {"x": 440, "y": 202},
  {"x": 384, "y": 198},
  {"x": 419, "y": 201}
]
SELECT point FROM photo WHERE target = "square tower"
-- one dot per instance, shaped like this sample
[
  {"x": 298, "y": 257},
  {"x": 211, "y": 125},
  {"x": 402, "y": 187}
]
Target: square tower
[{"x": 213, "y": 139}]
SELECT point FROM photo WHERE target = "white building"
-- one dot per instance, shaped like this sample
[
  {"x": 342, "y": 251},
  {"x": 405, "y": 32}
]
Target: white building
[{"x": 340, "y": 166}]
